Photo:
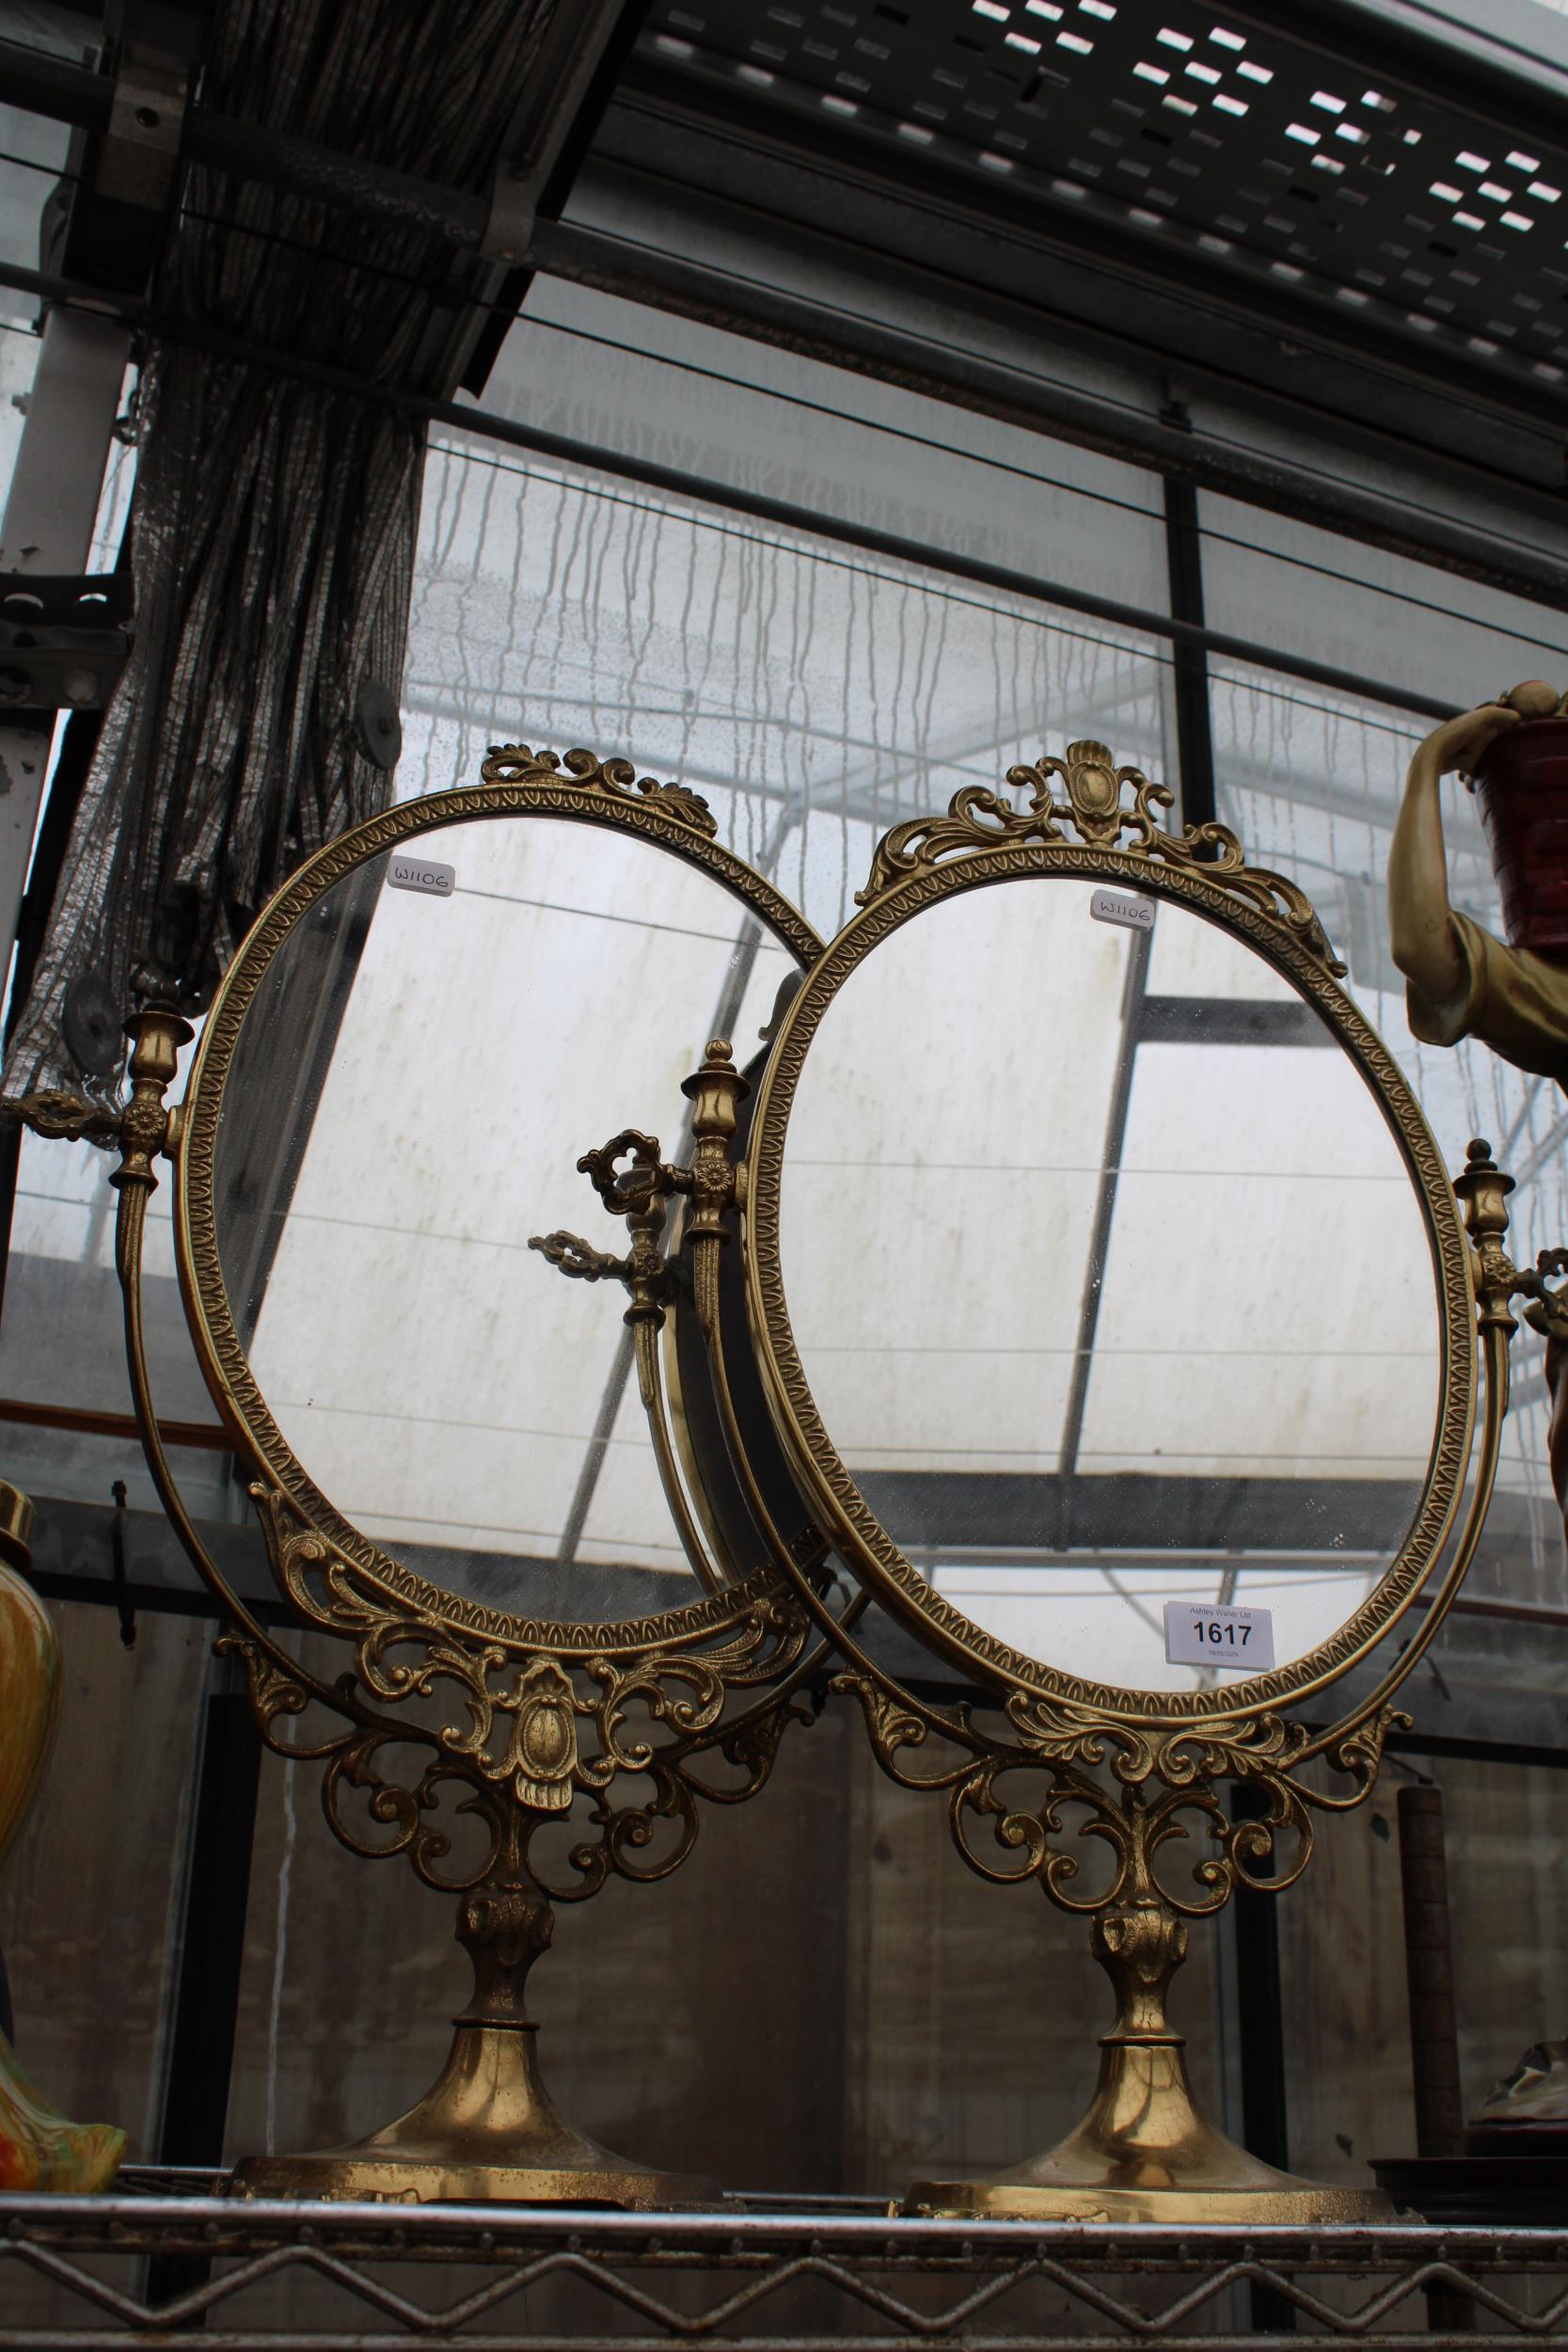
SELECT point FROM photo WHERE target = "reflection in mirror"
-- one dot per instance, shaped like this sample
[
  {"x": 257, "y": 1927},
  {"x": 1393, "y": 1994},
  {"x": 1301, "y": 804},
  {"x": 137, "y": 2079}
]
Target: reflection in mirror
[
  {"x": 410, "y": 1091},
  {"x": 1109, "y": 1280}
]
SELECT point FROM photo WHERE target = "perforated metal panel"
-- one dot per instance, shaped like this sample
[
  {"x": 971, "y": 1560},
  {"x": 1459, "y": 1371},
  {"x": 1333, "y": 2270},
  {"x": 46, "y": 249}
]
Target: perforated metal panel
[{"x": 1194, "y": 127}]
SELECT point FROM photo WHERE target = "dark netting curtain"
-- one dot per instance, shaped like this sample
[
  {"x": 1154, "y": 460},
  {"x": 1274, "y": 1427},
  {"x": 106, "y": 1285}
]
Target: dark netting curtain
[{"x": 273, "y": 531}]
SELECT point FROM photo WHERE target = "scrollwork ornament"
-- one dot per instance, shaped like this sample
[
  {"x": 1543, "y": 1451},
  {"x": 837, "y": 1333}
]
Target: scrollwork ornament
[
  {"x": 273, "y": 1691},
  {"x": 515, "y": 763},
  {"x": 1139, "y": 1791},
  {"x": 524, "y": 1727},
  {"x": 1096, "y": 809}
]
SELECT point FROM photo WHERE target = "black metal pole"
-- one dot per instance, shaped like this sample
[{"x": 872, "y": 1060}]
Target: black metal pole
[
  {"x": 1261, "y": 2030},
  {"x": 1194, "y": 736},
  {"x": 1265, "y": 2111},
  {"x": 1260, "y": 2003},
  {"x": 196, "y": 2103},
  {"x": 1260, "y": 2026},
  {"x": 1429, "y": 1970},
  {"x": 207, "y": 1996},
  {"x": 1434, "y": 2021}
]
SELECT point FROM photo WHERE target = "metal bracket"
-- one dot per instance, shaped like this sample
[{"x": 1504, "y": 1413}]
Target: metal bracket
[
  {"x": 513, "y": 200},
  {"x": 63, "y": 642},
  {"x": 562, "y": 72},
  {"x": 579, "y": 1260},
  {"x": 140, "y": 153}
]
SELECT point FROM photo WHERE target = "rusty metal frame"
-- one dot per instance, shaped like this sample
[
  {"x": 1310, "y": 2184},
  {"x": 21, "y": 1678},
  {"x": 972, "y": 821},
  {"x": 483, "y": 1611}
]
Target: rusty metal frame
[{"x": 740, "y": 2276}]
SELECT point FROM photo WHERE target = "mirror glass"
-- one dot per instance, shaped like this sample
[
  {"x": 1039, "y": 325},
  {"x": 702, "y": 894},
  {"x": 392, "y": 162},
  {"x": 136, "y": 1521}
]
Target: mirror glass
[
  {"x": 411, "y": 1088},
  {"x": 1110, "y": 1281}
]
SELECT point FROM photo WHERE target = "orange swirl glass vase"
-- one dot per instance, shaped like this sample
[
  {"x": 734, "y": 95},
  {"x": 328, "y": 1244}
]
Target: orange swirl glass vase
[{"x": 39, "y": 2149}]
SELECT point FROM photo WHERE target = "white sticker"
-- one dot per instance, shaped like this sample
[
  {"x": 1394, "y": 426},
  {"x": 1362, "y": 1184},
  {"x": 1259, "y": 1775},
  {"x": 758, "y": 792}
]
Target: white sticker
[
  {"x": 1210, "y": 1633},
  {"x": 417, "y": 873},
  {"x": 1108, "y": 906}
]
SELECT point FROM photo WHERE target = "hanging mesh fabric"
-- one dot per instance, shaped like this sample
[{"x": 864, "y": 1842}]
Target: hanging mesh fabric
[{"x": 274, "y": 521}]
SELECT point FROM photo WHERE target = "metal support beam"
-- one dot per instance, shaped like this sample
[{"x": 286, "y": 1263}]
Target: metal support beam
[
  {"x": 47, "y": 532},
  {"x": 212, "y": 1951},
  {"x": 696, "y": 129},
  {"x": 63, "y": 92},
  {"x": 566, "y": 450},
  {"x": 52, "y": 501},
  {"x": 563, "y": 85},
  {"x": 964, "y": 380},
  {"x": 667, "y": 282},
  {"x": 1515, "y": 99},
  {"x": 77, "y": 745},
  {"x": 218, "y": 1888},
  {"x": 47, "y": 529}
]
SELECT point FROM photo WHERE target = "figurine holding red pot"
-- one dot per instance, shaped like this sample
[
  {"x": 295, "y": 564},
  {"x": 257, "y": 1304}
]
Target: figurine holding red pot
[{"x": 1461, "y": 981}]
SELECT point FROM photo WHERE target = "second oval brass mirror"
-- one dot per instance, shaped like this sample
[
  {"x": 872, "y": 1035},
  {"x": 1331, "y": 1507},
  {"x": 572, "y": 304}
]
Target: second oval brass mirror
[{"x": 1099, "y": 1280}]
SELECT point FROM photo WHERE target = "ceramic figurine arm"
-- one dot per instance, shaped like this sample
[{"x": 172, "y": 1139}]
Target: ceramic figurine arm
[{"x": 1420, "y": 923}]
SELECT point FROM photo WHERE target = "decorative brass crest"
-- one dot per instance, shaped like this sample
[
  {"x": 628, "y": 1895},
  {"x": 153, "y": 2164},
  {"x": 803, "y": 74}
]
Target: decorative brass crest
[
  {"x": 544, "y": 1748},
  {"x": 514, "y": 763},
  {"x": 1095, "y": 807}
]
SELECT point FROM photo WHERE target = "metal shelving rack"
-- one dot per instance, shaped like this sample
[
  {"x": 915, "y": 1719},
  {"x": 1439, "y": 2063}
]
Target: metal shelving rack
[{"x": 163, "y": 2257}]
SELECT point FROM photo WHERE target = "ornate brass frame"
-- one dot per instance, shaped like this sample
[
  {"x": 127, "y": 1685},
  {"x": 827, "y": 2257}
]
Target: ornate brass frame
[
  {"x": 552, "y": 1712},
  {"x": 982, "y": 842},
  {"x": 1127, "y": 1766}
]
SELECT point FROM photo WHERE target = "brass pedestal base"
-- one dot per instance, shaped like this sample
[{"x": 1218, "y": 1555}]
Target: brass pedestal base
[
  {"x": 1143, "y": 2153},
  {"x": 487, "y": 2131}
]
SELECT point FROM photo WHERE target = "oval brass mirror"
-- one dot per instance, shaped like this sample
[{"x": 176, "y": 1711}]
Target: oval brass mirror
[
  {"x": 1111, "y": 1306},
  {"x": 1109, "y": 1287},
  {"x": 466, "y": 1468},
  {"x": 388, "y": 1104}
]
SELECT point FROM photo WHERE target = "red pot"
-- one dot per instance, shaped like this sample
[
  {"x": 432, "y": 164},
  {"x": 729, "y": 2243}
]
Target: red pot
[{"x": 1521, "y": 788}]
